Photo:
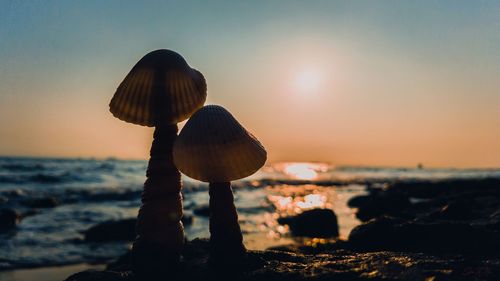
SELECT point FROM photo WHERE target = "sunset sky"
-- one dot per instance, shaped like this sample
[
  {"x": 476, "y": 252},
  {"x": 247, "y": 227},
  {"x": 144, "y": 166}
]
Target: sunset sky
[{"x": 391, "y": 83}]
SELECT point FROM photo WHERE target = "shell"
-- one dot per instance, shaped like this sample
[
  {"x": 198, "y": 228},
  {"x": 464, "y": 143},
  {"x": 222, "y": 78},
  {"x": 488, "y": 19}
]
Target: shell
[
  {"x": 160, "y": 89},
  {"x": 214, "y": 147}
]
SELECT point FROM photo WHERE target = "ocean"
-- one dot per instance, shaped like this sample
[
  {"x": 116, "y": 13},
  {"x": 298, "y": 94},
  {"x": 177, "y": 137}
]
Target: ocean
[{"x": 91, "y": 191}]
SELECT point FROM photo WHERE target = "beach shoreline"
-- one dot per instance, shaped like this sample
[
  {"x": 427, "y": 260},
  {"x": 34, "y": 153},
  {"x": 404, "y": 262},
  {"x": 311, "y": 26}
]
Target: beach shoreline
[
  {"x": 77, "y": 212},
  {"x": 428, "y": 230}
]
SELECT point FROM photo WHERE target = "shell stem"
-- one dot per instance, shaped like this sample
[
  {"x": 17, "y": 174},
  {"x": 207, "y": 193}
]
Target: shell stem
[
  {"x": 226, "y": 241},
  {"x": 160, "y": 233}
]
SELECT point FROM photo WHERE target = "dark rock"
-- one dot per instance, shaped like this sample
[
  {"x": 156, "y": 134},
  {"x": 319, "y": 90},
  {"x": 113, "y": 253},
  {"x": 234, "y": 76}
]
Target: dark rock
[
  {"x": 313, "y": 223},
  {"x": 9, "y": 218},
  {"x": 42, "y": 202},
  {"x": 340, "y": 265},
  {"x": 123, "y": 263},
  {"x": 458, "y": 210},
  {"x": 122, "y": 230},
  {"x": 394, "y": 234},
  {"x": 312, "y": 249},
  {"x": 451, "y": 200},
  {"x": 359, "y": 201},
  {"x": 376, "y": 234},
  {"x": 95, "y": 275},
  {"x": 379, "y": 204},
  {"x": 440, "y": 188},
  {"x": 203, "y": 211},
  {"x": 291, "y": 248}
]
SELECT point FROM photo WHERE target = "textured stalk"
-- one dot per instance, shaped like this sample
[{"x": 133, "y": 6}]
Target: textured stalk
[
  {"x": 226, "y": 241},
  {"x": 160, "y": 233}
]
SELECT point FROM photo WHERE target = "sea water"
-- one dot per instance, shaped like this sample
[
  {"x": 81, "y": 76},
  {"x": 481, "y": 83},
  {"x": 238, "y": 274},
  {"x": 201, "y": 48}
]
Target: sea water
[{"x": 91, "y": 191}]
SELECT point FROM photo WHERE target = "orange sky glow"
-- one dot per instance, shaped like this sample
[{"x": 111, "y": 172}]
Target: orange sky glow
[{"x": 396, "y": 87}]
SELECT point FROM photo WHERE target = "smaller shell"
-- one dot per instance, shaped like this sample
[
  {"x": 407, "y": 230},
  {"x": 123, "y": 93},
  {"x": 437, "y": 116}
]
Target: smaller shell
[
  {"x": 214, "y": 147},
  {"x": 160, "y": 89}
]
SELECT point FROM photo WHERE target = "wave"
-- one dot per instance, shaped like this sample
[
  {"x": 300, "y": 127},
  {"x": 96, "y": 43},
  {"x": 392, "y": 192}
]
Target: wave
[
  {"x": 43, "y": 178},
  {"x": 115, "y": 195},
  {"x": 48, "y": 178},
  {"x": 11, "y": 179},
  {"x": 26, "y": 167},
  {"x": 52, "y": 177}
]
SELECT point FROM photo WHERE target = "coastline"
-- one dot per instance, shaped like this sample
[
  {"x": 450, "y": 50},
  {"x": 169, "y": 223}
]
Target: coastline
[
  {"x": 434, "y": 230},
  {"x": 73, "y": 205}
]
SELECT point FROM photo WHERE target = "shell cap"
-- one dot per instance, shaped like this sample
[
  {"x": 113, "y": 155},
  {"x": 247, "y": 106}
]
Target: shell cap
[
  {"x": 214, "y": 147},
  {"x": 161, "y": 89}
]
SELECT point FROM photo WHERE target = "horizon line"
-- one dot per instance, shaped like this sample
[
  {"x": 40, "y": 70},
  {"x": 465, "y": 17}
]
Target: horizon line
[{"x": 365, "y": 166}]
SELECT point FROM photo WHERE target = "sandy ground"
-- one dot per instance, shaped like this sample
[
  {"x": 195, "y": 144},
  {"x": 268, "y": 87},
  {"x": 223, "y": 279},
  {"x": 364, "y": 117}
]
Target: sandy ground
[{"x": 56, "y": 273}]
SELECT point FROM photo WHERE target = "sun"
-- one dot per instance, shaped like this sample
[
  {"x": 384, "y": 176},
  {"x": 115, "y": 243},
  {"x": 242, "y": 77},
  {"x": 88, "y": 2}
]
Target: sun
[{"x": 308, "y": 81}]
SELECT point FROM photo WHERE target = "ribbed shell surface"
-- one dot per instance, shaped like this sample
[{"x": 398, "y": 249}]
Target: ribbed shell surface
[
  {"x": 160, "y": 89},
  {"x": 214, "y": 147}
]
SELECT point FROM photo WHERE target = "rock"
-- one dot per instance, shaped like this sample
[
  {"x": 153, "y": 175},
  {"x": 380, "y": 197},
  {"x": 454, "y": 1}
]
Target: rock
[
  {"x": 440, "y": 188},
  {"x": 313, "y": 223},
  {"x": 313, "y": 248},
  {"x": 448, "y": 216},
  {"x": 122, "y": 230},
  {"x": 340, "y": 264},
  {"x": 376, "y": 234},
  {"x": 458, "y": 210},
  {"x": 394, "y": 234},
  {"x": 95, "y": 275},
  {"x": 123, "y": 263},
  {"x": 359, "y": 201},
  {"x": 9, "y": 218},
  {"x": 452, "y": 200},
  {"x": 379, "y": 204},
  {"x": 203, "y": 211},
  {"x": 42, "y": 202}
]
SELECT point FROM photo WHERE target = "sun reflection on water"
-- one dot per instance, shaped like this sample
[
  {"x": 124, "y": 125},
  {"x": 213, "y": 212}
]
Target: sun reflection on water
[
  {"x": 291, "y": 200},
  {"x": 312, "y": 201},
  {"x": 279, "y": 199},
  {"x": 304, "y": 171}
]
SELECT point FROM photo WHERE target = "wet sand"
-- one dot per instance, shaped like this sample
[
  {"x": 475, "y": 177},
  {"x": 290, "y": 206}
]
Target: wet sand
[{"x": 46, "y": 273}]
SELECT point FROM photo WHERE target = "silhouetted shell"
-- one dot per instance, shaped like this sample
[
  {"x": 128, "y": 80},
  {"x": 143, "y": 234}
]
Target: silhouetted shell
[
  {"x": 161, "y": 89},
  {"x": 214, "y": 147}
]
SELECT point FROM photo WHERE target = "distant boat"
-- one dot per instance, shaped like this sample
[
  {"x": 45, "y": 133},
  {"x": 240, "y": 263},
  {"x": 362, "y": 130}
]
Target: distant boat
[{"x": 420, "y": 166}]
